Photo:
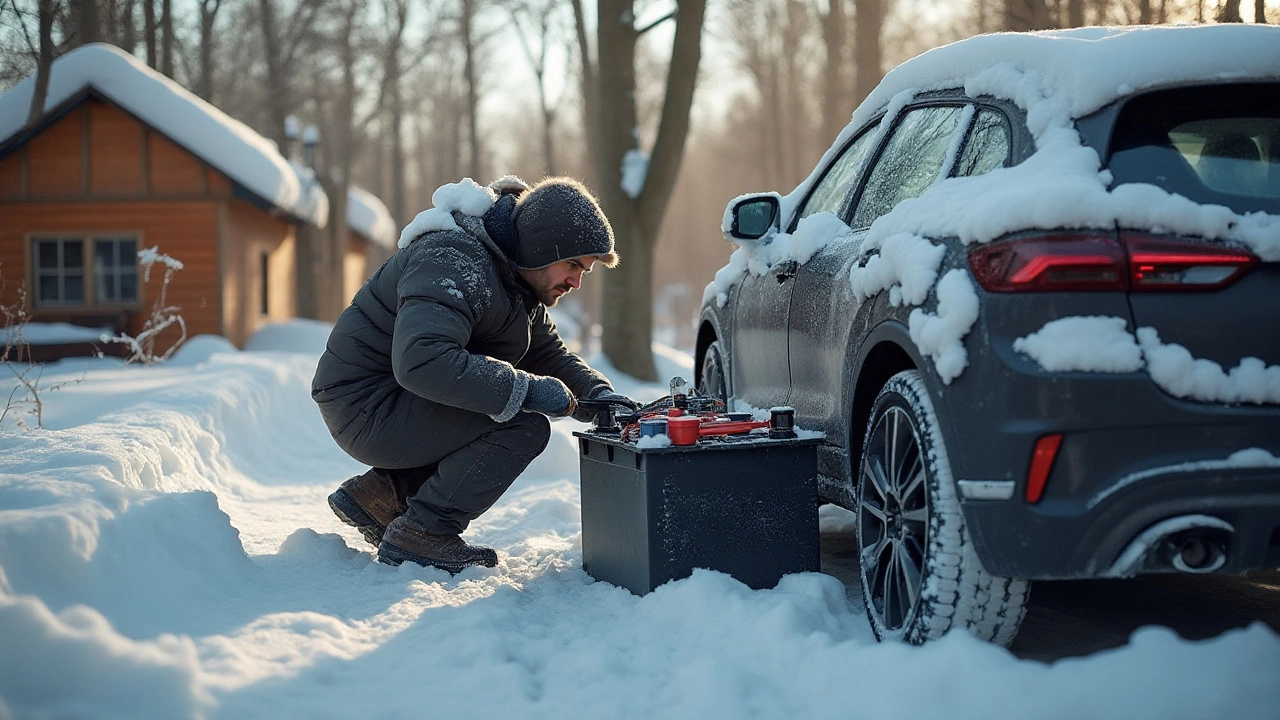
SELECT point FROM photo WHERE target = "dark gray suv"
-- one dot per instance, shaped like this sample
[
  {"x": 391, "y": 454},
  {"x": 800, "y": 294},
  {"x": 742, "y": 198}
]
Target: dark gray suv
[{"x": 1032, "y": 296}]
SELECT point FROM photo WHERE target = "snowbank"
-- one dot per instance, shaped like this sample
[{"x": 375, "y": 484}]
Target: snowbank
[{"x": 166, "y": 552}]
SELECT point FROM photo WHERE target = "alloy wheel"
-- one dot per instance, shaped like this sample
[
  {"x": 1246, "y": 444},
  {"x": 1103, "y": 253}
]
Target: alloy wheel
[
  {"x": 712, "y": 374},
  {"x": 893, "y": 510}
]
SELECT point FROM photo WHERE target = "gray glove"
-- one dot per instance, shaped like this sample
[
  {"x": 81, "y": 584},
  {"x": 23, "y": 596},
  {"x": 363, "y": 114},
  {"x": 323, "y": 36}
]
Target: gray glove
[
  {"x": 549, "y": 396},
  {"x": 587, "y": 415}
]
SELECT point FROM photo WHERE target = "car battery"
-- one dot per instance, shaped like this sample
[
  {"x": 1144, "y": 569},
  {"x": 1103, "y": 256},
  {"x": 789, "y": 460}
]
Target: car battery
[{"x": 744, "y": 506}]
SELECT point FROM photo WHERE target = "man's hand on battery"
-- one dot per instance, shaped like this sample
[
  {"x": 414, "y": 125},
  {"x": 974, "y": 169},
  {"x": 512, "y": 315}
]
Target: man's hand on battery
[{"x": 588, "y": 414}]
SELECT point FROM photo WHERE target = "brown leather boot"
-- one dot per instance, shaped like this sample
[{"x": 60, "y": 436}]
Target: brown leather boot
[
  {"x": 368, "y": 503},
  {"x": 407, "y": 540}
]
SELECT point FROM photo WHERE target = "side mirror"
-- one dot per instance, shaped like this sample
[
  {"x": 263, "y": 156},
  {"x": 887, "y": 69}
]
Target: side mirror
[{"x": 751, "y": 217}]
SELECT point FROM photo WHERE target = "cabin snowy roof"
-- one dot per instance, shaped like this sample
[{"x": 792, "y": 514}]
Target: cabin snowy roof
[
  {"x": 367, "y": 215},
  {"x": 1086, "y": 68},
  {"x": 220, "y": 140}
]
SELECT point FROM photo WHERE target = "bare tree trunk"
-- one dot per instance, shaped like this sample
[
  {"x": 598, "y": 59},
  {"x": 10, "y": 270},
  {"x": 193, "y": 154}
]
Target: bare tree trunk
[
  {"x": 279, "y": 95},
  {"x": 473, "y": 93},
  {"x": 795, "y": 121},
  {"x": 86, "y": 20},
  {"x": 1260, "y": 11},
  {"x": 1230, "y": 12},
  {"x": 1144, "y": 12},
  {"x": 166, "y": 37},
  {"x": 44, "y": 63},
  {"x": 312, "y": 243},
  {"x": 343, "y": 146},
  {"x": 833, "y": 97},
  {"x": 1026, "y": 15},
  {"x": 396, "y": 110},
  {"x": 870, "y": 19},
  {"x": 755, "y": 31},
  {"x": 591, "y": 114},
  {"x": 1075, "y": 13},
  {"x": 208, "y": 14},
  {"x": 628, "y": 299},
  {"x": 109, "y": 27},
  {"x": 548, "y": 141},
  {"x": 128, "y": 35},
  {"x": 1100, "y": 8},
  {"x": 149, "y": 31},
  {"x": 451, "y": 154},
  {"x": 776, "y": 123}
]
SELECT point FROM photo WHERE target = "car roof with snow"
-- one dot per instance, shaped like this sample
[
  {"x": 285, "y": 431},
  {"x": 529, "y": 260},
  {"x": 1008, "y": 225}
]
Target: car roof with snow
[
  {"x": 1057, "y": 77},
  {"x": 1079, "y": 70}
]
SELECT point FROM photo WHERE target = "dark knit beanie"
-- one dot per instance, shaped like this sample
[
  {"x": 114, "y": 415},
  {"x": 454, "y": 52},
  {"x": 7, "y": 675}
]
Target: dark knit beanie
[{"x": 559, "y": 219}]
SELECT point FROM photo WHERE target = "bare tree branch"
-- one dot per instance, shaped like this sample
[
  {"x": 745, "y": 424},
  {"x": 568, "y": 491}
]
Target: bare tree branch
[
  {"x": 656, "y": 23},
  {"x": 303, "y": 22}
]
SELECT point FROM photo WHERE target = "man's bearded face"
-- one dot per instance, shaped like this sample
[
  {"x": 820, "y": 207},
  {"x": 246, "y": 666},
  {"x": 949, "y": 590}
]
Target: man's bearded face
[{"x": 555, "y": 281}]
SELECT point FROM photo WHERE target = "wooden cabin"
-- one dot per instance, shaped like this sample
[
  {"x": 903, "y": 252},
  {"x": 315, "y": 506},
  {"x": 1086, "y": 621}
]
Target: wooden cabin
[
  {"x": 371, "y": 239},
  {"x": 123, "y": 160}
]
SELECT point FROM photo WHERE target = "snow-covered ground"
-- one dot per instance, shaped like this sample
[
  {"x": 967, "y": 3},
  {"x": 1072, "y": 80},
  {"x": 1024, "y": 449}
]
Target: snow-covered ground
[{"x": 166, "y": 552}]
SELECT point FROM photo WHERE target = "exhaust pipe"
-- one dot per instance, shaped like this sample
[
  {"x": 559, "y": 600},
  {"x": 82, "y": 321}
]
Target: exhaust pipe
[
  {"x": 1197, "y": 553},
  {"x": 1196, "y": 544}
]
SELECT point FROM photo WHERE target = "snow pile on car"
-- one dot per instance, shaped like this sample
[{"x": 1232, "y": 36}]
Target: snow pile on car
[{"x": 1103, "y": 344}]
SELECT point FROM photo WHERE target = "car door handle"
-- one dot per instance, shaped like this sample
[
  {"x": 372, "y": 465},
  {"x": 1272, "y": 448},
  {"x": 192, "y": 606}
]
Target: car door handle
[{"x": 784, "y": 271}]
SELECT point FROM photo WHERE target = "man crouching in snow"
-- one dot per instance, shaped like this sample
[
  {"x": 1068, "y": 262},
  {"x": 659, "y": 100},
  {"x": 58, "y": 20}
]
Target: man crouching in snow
[{"x": 443, "y": 371}]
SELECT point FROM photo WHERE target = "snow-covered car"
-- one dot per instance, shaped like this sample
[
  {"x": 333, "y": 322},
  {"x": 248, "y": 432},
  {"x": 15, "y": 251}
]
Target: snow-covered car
[{"x": 1031, "y": 294}]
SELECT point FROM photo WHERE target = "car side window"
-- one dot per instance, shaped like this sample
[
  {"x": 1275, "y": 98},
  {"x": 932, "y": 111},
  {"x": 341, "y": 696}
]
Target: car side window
[
  {"x": 987, "y": 147},
  {"x": 831, "y": 189},
  {"x": 910, "y": 161}
]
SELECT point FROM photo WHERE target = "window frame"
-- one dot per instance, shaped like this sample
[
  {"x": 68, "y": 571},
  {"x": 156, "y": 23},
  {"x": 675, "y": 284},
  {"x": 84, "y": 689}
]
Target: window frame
[
  {"x": 978, "y": 108},
  {"x": 89, "y": 242},
  {"x": 949, "y": 99},
  {"x": 867, "y": 130},
  {"x": 958, "y": 102}
]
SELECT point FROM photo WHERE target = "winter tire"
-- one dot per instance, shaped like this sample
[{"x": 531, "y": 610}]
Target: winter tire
[
  {"x": 920, "y": 575},
  {"x": 712, "y": 374}
]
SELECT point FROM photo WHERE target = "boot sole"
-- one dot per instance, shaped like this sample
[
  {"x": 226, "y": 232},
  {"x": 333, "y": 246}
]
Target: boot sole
[
  {"x": 350, "y": 512},
  {"x": 391, "y": 555}
]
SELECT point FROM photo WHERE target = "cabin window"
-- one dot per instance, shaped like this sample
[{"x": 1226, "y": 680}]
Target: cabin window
[
  {"x": 265, "y": 290},
  {"x": 85, "y": 271},
  {"x": 115, "y": 271}
]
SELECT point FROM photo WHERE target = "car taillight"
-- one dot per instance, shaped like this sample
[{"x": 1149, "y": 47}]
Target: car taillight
[
  {"x": 1157, "y": 263},
  {"x": 1046, "y": 263},
  {"x": 1080, "y": 261}
]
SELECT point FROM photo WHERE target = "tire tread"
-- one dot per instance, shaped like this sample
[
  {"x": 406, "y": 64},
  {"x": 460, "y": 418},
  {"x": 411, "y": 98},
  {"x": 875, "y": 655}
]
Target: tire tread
[{"x": 956, "y": 592}]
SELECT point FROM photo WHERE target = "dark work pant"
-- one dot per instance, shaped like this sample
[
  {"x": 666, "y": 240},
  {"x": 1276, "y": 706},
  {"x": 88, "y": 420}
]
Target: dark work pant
[
  {"x": 446, "y": 496},
  {"x": 450, "y": 465}
]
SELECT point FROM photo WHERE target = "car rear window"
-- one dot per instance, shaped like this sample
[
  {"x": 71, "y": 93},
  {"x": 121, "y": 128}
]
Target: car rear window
[{"x": 1217, "y": 144}]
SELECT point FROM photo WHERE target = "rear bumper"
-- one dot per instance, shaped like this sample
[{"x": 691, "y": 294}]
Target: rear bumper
[
  {"x": 1132, "y": 457},
  {"x": 1134, "y": 525}
]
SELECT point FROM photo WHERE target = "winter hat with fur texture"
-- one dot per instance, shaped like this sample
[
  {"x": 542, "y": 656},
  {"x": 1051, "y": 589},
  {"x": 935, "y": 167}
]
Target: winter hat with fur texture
[{"x": 559, "y": 219}]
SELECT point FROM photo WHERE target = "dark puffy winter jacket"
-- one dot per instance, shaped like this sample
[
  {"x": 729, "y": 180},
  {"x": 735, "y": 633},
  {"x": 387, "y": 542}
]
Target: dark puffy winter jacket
[{"x": 447, "y": 319}]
